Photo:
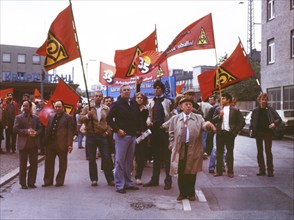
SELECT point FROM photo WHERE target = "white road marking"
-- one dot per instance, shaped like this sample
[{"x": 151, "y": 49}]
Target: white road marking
[
  {"x": 200, "y": 196},
  {"x": 186, "y": 205}
]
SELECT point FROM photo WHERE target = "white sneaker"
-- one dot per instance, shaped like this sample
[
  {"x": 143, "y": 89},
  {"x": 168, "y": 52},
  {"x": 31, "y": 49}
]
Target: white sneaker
[{"x": 138, "y": 182}]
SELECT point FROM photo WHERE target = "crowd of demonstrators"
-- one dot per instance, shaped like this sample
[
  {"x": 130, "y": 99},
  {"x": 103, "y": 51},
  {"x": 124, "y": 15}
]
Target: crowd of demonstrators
[
  {"x": 159, "y": 112},
  {"x": 28, "y": 127},
  {"x": 97, "y": 131},
  {"x": 182, "y": 131},
  {"x": 185, "y": 142},
  {"x": 264, "y": 121},
  {"x": 125, "y": 121}
]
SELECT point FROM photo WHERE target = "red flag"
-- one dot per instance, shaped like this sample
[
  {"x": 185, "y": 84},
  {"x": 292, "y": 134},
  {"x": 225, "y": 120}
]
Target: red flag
[
  {"x": 125, "y": 59},
  {"x": 197, "y": 36},
  {"x": 108, "y": 78},
  {"x": 62, "y": 92},
  {"x": 37, "y": 94},
  {"x": 107, "y": 73},
  {"x": 235, "y": 69},
  {"x": 3, "y": 93},
  {"x": 145, "y": 61},
  {"x": 60, "y": 46},
  {"x": 179, "y": 88}
]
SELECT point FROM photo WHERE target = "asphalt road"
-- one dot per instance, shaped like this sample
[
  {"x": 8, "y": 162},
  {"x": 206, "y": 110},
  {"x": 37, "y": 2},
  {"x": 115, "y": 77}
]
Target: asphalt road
[{"x": 245, "y": 196}]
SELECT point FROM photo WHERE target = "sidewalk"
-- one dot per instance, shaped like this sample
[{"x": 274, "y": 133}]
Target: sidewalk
[{"x": 9, "y": 166}]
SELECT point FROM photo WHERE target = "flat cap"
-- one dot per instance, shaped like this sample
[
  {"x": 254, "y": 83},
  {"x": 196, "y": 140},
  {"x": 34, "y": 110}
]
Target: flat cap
[
  {"x": 190, "y": 91},
  {"x": 185, "y": 99}
]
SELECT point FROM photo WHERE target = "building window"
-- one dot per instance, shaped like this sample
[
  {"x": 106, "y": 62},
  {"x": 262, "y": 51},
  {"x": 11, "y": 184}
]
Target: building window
[
  {"x": 288, "y": 97},
  {"x": 274, "y": 97},
  {"x": 270, "y": 10},
  {"x": 291, "y": 4},
  {"x": 6, "y": 58},
  {"x": 292, "y": 44},
  {"x": 21, "y": 58},
  {"x": 270, "y": 51},
  {"x": 36, "y": 59}
]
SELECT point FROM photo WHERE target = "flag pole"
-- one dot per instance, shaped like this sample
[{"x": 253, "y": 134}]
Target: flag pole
[
  {"x": 81, "y": 58},
  {"x": 217, "y": 77}
]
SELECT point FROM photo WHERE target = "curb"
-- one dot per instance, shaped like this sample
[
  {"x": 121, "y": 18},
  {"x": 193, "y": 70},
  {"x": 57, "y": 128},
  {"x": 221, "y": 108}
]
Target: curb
[
  {"x": 14, "y": 173},
  {"x": 289, "y": 137}
]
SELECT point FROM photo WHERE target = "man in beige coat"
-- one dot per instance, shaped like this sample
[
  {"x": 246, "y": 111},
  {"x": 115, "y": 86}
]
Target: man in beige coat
[{"x": 185, "y": 134}]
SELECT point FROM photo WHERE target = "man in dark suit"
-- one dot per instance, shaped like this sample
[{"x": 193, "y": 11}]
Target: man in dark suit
[
  {"x": 28, "y": 127},
  {"x": 58, "y": 138},
  {"x": 229, "y": 122}
]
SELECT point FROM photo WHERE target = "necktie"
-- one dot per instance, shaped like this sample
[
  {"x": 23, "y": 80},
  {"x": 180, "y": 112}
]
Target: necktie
[{"x": 185, "y": 129}]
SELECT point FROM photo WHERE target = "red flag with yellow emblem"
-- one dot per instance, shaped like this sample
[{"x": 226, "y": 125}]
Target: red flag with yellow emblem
[
  {"x": 125, "y": 59},
  {"x": 60, "y": 46},
  {"x": 197, "y": 36},
  {"x": 235, "y": 69},
  {"x": 62, "y": 92}
]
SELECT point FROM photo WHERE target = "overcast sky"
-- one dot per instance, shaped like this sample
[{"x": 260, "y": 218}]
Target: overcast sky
[{"x": 106, "y": 26}]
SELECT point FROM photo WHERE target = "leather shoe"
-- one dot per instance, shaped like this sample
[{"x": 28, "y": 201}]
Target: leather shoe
[
  {"x": 167, "y": 186},
  {"x": 111, "y": 183},
  {"x": 45, "y": 185},
  {"x": 150, "y": 183},
  {"x": 123, "y": 191},
  {"x": 132, "y": 188},
  {"x": 270, "y": 174},
  {"x": 24, "y": 187},
  {"x": 180, "y": 198},
  {"x": 33, "y": 186},
  {"x": 58, "y": 184},
  {"x": 94, "y": 183},
  {"x": 260, "y": 174},
  {"x": 217, "y": 174},
  {"x": 191, "y": 198},
  {"x": 231, "y": 175}
]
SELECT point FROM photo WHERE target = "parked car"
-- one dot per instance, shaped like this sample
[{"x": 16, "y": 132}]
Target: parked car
[
  {"x": 287, "y": 116},
  {"x": 244, "y": 112},
  {"x": 246, "y": 130}
]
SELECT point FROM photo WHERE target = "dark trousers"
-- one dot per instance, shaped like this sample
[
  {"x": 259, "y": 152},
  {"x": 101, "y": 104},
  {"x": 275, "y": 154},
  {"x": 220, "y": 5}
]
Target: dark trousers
[
  {"x": 186, "y": 182},
  {"x": 141, "y": 152},
  {"x": 30, "y": 153},
  {"x": 225, "y": 138},
  {"x": 159, "y": 147},
  {"x": 10, "y": 137},
  {"x": 52, "y": 151},
  {"x": 94, "y": 141},
  {"x": 209, "y": 142},
  {"x": 267, "y": 139}
]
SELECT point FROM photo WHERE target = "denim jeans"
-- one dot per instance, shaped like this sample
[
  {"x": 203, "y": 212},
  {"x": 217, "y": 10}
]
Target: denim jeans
[
  {"x": 80, "y": 139},
  {"x": 94, "y": 141},
  {"x": 204, "y": 136},
  {"x": 124, "y": 156},
  {"x": 213, "y": 155}
]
